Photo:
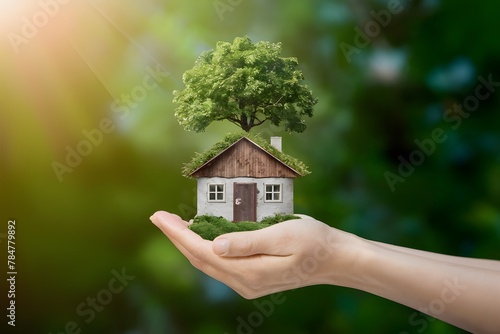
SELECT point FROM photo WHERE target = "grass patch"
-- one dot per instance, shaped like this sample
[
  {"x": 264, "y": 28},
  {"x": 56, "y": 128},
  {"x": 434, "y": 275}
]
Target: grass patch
[{"x": 210, "y": 227}]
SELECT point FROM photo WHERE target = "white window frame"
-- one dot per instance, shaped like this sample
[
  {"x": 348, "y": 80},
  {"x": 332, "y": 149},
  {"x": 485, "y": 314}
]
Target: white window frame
[
  {"x": 273, "y": 191},
  {"x": 216, "y": 192}
]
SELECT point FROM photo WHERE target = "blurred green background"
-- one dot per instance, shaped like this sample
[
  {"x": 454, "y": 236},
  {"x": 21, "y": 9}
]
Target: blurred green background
[{"x": 89, "y": 61}]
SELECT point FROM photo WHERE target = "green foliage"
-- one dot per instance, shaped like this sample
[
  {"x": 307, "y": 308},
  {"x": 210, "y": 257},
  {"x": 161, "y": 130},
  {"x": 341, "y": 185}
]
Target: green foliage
[
  {"x": 210, "y": 227},
  {"x": 247, "y": 84},
  {"x": 278, "y": 218},
  {"x": 201, "y": 158}
]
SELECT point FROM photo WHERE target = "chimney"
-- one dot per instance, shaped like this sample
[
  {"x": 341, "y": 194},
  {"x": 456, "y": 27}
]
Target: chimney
[{"x": 276, "y": 142}]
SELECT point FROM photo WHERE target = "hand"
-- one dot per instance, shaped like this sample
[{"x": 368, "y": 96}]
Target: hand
[
  {"x": 302, "y": 252},
  {"x": 285, "y": 256}
]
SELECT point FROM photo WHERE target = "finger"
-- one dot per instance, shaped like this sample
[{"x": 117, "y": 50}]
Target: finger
[
  {"x": 303, "y": 216},
  {"x": 170, "y": 224},
  {"x": 189, "y": 243},
  {"x": 273, "y": 240}
]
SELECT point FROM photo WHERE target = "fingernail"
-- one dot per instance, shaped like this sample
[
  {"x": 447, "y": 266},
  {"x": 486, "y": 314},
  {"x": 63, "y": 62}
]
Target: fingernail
[
  {"x": 221, "y": 246},
  {"x": 153, "y": 219}
]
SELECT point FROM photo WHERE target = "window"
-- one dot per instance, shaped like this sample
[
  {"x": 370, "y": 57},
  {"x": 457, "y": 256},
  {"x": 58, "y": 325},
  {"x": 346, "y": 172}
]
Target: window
[
  {"x": 216, "y": 192},
  {"x": 273, "y": 193}
]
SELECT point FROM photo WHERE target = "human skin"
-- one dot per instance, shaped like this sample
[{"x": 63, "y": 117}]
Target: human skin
[{"x": 464, "y": 292}]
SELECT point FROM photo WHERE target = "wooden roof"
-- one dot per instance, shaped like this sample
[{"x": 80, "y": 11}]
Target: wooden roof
[{"x": 245, "y": 158}]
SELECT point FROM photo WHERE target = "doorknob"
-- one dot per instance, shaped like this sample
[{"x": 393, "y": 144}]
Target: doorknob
[{"x": 237, "y": 201}]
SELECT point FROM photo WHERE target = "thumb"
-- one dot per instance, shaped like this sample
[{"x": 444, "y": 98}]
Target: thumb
[{"x": 263, "y": 241}]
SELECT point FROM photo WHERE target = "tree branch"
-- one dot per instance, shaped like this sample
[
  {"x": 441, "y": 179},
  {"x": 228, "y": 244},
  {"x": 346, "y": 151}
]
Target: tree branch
[
  {"x": 259, "y": 122},
  {"x": 275, "y": 103},
  {"x": 234, "y": 120}
]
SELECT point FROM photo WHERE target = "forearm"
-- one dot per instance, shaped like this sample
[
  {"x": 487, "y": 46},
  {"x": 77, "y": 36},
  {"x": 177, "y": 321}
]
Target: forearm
[
  {"x": 468, "y": 297},
  {"x": 472, "y": 262}
]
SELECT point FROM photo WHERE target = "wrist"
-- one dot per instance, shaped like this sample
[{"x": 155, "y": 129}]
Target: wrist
[{"x": 349, "y": 262}]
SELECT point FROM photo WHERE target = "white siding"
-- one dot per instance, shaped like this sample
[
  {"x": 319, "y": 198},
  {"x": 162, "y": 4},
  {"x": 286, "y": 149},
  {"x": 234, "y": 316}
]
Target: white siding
[{"x": 264, "y": 209}]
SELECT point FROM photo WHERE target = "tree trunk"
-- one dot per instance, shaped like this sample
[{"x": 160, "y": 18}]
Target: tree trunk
[
  {"x": 246, "y": 127},
  {"x": 244, "y": 123}
]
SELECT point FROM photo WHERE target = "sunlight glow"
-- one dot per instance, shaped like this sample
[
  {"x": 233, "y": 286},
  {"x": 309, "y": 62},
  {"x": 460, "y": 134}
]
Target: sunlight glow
[{"x": 11, "y": 11}]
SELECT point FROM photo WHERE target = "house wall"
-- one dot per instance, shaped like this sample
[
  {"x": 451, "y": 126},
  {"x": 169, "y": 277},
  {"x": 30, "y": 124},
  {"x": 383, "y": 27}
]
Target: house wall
[{"x": 225, "y": 209}]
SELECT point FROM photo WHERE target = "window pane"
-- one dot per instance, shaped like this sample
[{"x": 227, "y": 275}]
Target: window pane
[
  {"x": 269, "y": 196},
  {"x": 269, "y": 188},
  {"x": 216, "y": 192},
  {"x": 276, "y": 196}
]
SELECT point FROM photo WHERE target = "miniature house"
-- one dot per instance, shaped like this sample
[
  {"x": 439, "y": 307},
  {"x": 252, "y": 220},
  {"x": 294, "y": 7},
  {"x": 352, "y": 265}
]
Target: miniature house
[{"x": 245, "y": 182}]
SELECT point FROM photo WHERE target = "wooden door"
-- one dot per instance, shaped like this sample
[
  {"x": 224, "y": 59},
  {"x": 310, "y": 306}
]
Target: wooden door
[{"x": 245, "y": 202}]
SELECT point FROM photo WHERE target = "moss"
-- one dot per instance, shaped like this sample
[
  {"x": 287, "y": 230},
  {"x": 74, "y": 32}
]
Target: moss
[
  {"x": 210, "y": 227},
  {"x": 201, "y": 158}
]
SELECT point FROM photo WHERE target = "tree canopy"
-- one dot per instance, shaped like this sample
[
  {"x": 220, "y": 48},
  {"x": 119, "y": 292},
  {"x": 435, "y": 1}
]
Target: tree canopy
[{"x": 247, "y": 84}]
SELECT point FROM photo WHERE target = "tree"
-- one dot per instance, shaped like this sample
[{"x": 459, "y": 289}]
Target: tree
[{"x": 247, "y": 84}]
